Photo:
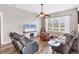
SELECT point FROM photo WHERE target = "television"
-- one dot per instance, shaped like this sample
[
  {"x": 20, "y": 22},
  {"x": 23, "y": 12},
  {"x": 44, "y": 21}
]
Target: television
[{"x": 29, "y": 27}]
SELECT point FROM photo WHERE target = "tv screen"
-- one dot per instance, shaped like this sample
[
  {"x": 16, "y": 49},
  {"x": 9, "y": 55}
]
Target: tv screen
[{"x": 29, "y": 27}]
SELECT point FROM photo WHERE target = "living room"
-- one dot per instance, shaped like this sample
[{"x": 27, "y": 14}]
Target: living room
[{"x": 40, "y": 23}]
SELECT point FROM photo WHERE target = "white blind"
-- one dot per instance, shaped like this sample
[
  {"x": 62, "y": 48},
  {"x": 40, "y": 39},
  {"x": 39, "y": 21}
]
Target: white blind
[{"x": 58, "y": 24}]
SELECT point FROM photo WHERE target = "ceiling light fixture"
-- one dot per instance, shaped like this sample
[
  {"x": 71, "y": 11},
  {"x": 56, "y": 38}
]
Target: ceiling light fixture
[{"x": 42, "y": 14}]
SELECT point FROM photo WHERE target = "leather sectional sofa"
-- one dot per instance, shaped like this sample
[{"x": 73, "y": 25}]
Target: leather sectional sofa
[
  {"x": 70, "y": 44},
  {"x": 23, "y": 44}
]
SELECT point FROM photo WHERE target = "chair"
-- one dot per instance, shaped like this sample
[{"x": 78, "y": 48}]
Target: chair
[
  {"x": 65, "y": 48},
  {"x": 74, "y": 47},
  {"x": 23, "y": 44}
]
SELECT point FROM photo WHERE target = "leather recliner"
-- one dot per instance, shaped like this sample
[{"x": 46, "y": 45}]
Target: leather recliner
[
  {"x": 23, "y": 44},
  {"x": 65, "y": 48}
]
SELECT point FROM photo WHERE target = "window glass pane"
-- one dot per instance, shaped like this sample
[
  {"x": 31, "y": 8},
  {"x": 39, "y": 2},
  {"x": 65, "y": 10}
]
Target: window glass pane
[
  {"x": 56, "y": 24},
  {"x": 49, "y": 24},
  {"x": 62, "y": 23}
]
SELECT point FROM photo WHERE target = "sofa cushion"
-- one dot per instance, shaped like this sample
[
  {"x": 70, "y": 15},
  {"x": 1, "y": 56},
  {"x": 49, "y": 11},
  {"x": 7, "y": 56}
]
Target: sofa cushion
[
  {"x": 19, "y": 45},
  {"x": 21, "y": 39},
  {"x": 74, "y": 47},
  {"x": 14, "y": 35},
  {"x": 70, "y": 36}
]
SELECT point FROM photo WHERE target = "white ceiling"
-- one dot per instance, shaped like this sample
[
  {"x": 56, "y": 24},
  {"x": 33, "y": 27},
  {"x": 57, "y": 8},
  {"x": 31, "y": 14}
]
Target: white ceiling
[{"x": 48, "y": 8}]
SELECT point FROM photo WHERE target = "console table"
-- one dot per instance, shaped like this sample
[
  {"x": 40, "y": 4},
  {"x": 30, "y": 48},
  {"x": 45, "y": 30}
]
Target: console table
[{"x": 43, "y": 37}]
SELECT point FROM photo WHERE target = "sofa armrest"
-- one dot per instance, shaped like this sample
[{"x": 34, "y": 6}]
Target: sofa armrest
[{"x": 30, "y": 48}]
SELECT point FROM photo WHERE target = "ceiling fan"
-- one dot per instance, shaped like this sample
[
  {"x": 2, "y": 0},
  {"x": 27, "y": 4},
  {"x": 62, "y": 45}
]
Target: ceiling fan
[{"x": 42, "y": 14}]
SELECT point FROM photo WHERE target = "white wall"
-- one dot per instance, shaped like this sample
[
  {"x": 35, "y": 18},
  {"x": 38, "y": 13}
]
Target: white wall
[
  {"x": 13, "y": 21},
  {"x": 37, "y": 21},
  {"x": 1, "y": 30},
  {"x": 78, "y": 27}
]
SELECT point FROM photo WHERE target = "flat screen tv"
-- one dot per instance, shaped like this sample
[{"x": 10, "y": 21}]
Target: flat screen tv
[{"x": 29, "y": 27}]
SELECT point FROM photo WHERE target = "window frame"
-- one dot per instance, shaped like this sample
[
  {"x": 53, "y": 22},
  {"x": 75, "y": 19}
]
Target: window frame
[{"x": 66, "y": 23}]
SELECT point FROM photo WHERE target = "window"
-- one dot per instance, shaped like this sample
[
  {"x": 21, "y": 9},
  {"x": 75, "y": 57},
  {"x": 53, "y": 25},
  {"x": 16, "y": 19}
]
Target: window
[
  {"x": 58, "y": 24},
  {"x": 55, "y": 24},
  {"x": 50, "y": 25}
]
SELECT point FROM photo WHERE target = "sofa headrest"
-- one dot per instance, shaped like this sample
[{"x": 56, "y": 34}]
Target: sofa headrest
[
  {"x": 14, "y": 35},
  {"x": 71, "y": 36}
]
